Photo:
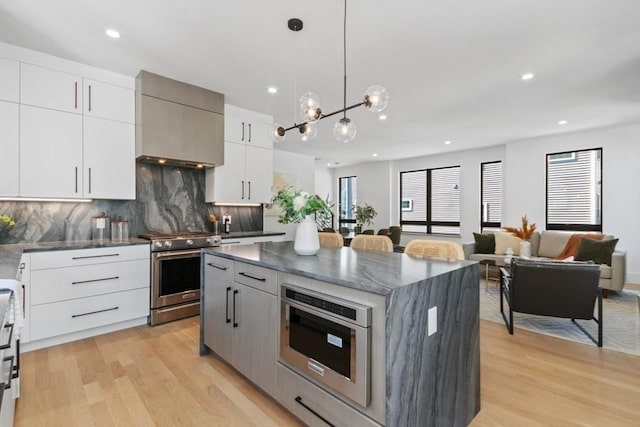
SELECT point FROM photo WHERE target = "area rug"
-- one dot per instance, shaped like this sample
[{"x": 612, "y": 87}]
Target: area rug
[{"x": 621, "y": 326}]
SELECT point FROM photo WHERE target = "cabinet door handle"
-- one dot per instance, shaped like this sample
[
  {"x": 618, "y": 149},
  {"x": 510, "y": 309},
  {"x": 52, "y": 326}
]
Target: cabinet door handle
[
  {"x": 219, "y": 267},
  {"x": 75, "y": 95},
  {"x": 299, "y": 401},
  {"x": 249, "y": 132},
  {"x": 8, "y": 344},
  {"x": 249, "y": 198},
  {"x": 94, "y": 312},
  {"x": 242, "y": 132},
  {"x": 9, "y": 359},
  {"x": 94, "y": 256},
  {"x": 226, "y": 309},
  {"x": 79, "y": 282},
  {"x": 89, "y": 97},
  {"x": 242, "y": 190},
  {"x": 76, "y": 179},
  {"x": 235, "y": 323},
  {"x": 89, "y": 177},
  {"x": 250, "y": 276}
]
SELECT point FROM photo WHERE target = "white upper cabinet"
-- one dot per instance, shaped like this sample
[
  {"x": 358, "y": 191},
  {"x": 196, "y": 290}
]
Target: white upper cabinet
[
  {"x": 57, "y": 90},
  {"x": 67, "y": 130},
  {"x": 247, "y": 127},
  {"x": 50, "y": 153},
  {"x": 108, "y": 101},
  {"x": 9, "y": 149},
  {"x": 247, "y": 173},
  {"x": 109, "y": 166},
  {"x": 9, "y": 80}
]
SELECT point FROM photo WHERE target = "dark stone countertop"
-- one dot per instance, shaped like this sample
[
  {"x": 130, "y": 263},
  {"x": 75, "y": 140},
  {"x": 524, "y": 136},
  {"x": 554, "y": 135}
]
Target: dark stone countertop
[
  {"x": 10, "y": 254},
  {"x": 375, "y": 272},
  {"x": 248, "y": 234}
]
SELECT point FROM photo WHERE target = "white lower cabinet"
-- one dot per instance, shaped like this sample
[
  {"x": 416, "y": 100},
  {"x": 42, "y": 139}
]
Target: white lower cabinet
[
  {"x": 72, "y": 291},
  {"x": 314, "y": 406},
  {"x": 240, "y": 314},
  {"x": 64, "y": 317}
]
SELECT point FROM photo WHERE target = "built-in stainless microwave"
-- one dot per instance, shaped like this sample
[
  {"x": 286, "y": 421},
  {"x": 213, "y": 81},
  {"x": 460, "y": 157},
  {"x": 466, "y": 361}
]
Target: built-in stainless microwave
[{"x": 328, "y": 340}]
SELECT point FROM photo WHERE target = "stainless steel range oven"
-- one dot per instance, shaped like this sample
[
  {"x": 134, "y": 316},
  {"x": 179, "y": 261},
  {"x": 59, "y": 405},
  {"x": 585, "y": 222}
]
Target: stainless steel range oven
[
  {"x": 175, "y": 274},
  {"x": 328, "y": 340}
]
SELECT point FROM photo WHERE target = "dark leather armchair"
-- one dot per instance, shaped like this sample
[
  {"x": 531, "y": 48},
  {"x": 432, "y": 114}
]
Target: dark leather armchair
[{"x": 557, "y": 289}]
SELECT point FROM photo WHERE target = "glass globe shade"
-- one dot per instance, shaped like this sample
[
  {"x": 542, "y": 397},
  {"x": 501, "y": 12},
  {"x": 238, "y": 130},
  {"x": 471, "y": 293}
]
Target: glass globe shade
[
  {"x": 310, "y": 107},
  {"x": 376, "y": 98},
  {"x": 344, "y": 130},
  {"x": 277, "y": 133},
  {"x": 308, "y": 132}
]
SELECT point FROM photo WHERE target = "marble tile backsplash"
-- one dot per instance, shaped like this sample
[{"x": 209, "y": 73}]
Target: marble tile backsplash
[{"x": 168, "y": 199}]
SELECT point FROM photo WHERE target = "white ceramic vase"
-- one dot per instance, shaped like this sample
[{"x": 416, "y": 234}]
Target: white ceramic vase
[
  {"x": 306, "y": 241},
  {"x": 525, "y": 249}
]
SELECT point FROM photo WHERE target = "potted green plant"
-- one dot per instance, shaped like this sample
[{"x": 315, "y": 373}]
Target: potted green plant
[
  {"x": 299, "y": 207},
  {"x": 364, "y": 215}
]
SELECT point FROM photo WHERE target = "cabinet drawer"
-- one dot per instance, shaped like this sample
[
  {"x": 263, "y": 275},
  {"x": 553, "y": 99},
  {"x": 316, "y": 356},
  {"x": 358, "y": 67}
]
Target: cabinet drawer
[
  {"x": 292, "y": 388},
  {"x": 49, "y": 320},
  {"x": 222, "y": 268},
  {"x": 260, "y": 278},
  {"x": 75, "y": 257},
  {"x": 67, "y": 283}
]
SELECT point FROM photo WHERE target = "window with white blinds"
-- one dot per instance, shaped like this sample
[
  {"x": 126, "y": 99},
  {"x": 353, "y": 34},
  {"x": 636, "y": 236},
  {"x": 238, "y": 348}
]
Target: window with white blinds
[
  {"x": 574, "y": 190},
  {"x": 430, "y": 201},
  {"x": 491, "y": 194},
  {"x": 348, "y": 198}
]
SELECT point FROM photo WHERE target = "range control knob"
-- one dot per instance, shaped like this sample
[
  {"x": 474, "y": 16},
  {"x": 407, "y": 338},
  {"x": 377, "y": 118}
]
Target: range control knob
[
  {"x": 209, "y": 242},
  {"x": 158, "y": 244},
  {"x": 167, "y": 244},
  {"x": 189, "y": 242}
]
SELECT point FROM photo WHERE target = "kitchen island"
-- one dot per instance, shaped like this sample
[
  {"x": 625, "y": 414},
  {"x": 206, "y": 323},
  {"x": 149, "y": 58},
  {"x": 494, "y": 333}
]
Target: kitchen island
[{"x": 424, "y": 361}]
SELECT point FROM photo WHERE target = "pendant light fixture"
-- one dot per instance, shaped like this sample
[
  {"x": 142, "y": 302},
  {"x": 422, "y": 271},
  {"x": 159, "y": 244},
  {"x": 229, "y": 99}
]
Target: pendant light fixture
[{"x": 375, "y": 100}]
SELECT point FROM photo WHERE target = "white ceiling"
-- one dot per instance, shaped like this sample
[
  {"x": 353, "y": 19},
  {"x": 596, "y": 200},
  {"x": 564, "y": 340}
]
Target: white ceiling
[{"x": 452, "y": 67}]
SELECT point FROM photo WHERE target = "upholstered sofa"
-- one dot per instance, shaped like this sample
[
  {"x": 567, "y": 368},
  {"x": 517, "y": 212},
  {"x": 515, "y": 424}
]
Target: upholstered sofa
[{"x": 549, "y": 245}]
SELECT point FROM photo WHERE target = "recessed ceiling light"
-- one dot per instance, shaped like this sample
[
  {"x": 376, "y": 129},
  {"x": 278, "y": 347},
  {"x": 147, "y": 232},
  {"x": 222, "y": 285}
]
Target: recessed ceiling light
[
  {"x": 375, "y": 154},
  {"x": 382, "y": 117},
  {"x": 447, "y": 142},
  {"x": 114, "y": 34},
  {"x": 272, "y": 89},
  {"x": 562, "y": 122},
  {"x": 329, "y": 164},
  {"x": 527, "y": 76}
]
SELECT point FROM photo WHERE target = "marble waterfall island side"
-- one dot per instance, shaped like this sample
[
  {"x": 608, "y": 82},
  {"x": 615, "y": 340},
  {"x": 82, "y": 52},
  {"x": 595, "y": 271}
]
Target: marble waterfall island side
[{"x": 424, "y": 378}]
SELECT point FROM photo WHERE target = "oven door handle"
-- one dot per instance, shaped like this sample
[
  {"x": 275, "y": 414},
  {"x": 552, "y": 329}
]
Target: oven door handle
[
  {"x": 177, "y": 254},
  {"x": 235, "y": 323},
  {"x": 226, "y": 310}
]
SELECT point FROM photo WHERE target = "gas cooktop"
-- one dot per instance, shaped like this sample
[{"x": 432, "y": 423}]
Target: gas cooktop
[{"x": 181, "y": 240}]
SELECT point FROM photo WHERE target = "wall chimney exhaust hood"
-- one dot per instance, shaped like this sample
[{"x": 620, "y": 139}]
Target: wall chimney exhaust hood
[{"x": 177, "y": 123}]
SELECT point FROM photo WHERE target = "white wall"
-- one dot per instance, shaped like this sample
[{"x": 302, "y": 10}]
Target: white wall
[
  {"x": 524, "y": 175},
  {"x": 373, "y": 187},
  {"x": 324, "y": 182},
  {"x": 303, "y": 167}
]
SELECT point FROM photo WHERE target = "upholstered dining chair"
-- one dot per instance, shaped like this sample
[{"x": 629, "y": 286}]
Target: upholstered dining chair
[
  {"x": 369, "y": 232},
  {"x": 435, "y": 249},
  {"x": 372, "y": 243},
  {"x": 395, "y": 233},
  {"x": 330, "y": 239},
  {"x": 328, "y": 230},
  {"x": 383, "y": 232},
  {"x": 343, "y": 230}
]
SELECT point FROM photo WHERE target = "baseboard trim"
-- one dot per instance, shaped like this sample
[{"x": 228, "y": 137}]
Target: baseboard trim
[{"x": 26, "y": 347}]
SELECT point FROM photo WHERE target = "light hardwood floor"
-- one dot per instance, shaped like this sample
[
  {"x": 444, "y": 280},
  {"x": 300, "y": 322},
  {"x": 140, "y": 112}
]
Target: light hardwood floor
[{"x": 148, "y": 376}]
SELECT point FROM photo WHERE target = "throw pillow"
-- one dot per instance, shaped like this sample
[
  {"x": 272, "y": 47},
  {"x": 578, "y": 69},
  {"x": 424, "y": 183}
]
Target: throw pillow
[
  {"x": 485, "y": 243},
  {"x": 506, "y": 240},
  {"x": 597, "y": 251},
  {"x": 571, "y": 248}
]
